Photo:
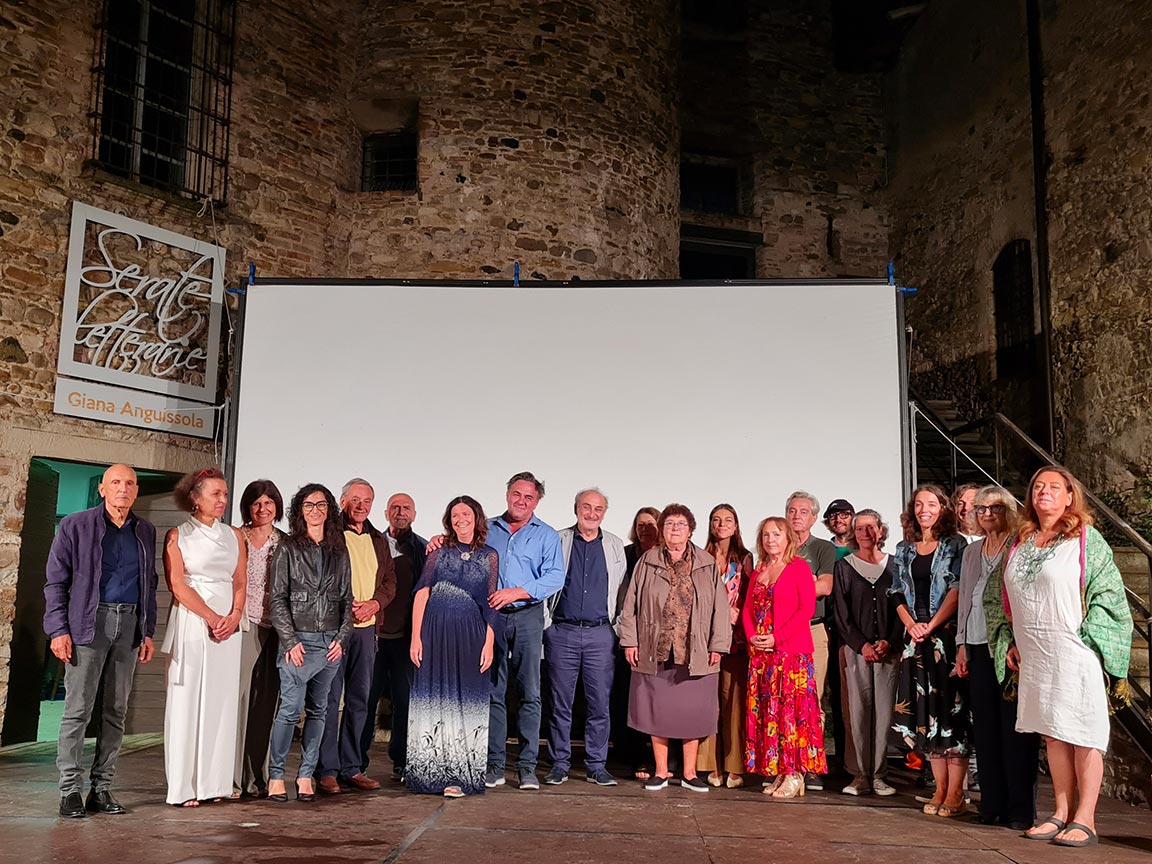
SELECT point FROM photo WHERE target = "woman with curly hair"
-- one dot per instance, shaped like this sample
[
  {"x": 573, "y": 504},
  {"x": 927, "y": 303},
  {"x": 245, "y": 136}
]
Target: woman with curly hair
[
  {"x": 311, "y": 608},
  {"x": 206, "y": 568},
  {"x": 932, "y": 706},
  {"x": 1073, "y": 641},
  {"x": 452, "y": 646}
]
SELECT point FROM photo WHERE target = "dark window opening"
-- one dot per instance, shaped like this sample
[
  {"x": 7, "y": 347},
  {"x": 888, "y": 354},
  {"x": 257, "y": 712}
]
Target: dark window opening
[
  {"x": 710, "y": 188},
  {"x": 726, "y": 16},
  {"x": 1013, "y": 301},
  {"x": 164, "y": 93},
  {"x": 389, "y": 162},
  {"x": 707, "y": 261}
]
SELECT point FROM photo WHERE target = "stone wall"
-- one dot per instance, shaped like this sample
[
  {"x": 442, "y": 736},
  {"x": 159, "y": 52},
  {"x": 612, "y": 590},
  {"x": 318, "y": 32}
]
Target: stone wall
[
  {"x": 962, "y": 187},
  {"x": 810, "y": 138}
]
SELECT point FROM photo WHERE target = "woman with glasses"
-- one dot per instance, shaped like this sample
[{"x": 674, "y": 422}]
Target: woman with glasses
[
  {"x": 1009, "y": 760},
  {"x": 206, "y": 569},
  {"x": 785, "y": 724},
  {"x": 724, "y": 751},
  {"x": 311, "y": 608},
  {"x": 673, "y": 628}
]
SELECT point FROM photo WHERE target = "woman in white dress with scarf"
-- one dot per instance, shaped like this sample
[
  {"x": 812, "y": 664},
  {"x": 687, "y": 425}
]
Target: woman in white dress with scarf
[
  {"x": 1073, "y": 637},
  {"x": 206, "y": 568}
]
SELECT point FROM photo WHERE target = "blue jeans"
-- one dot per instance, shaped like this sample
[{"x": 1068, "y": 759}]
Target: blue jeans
[
  {"x": 573, "y": 652},
  {"x": 302, "y": 687},
  {"x": 518, "y": 650}
]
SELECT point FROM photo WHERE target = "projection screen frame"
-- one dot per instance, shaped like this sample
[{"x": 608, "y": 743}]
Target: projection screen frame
[{"x": 907, "y": 442}]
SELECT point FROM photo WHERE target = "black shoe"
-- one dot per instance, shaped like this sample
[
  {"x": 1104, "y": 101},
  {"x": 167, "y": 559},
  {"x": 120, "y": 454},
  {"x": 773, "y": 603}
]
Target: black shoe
[
  {"x": 1017, "y": 825},
  {"x": 72, "y": 806},
  {"x": 103, "y": 802},
  {"x": 981, "y": 819},
  {"x": 694, "y": 784}
]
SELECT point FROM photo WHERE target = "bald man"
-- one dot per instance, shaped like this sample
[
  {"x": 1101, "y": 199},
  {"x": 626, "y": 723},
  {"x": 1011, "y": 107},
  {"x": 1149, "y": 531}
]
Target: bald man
[{"x": 100, "y": 613}]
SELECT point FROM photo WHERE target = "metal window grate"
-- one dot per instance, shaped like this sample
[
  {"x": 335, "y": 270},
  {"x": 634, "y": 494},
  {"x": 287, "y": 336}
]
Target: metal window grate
[
  {"x": 163, "y": 94},
  {"x": 389, "y": 162}
]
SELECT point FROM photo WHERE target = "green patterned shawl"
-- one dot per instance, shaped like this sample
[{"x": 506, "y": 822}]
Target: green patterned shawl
[{"x": 1107, "y": 625}]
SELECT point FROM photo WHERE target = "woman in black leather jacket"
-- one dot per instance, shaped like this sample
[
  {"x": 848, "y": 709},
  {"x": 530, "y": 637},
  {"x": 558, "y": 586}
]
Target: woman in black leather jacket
[{"x": 311, "y": 606}]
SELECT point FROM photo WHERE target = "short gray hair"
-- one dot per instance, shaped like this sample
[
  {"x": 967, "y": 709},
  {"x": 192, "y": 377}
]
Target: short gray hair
[
  {"x": 880, "y": 523},
  {"x": 355, "y": 481},
  {"x": 800, "y": 493},
  {"x": 527, "y": 477},
  {"x": 583, "y": 492}
]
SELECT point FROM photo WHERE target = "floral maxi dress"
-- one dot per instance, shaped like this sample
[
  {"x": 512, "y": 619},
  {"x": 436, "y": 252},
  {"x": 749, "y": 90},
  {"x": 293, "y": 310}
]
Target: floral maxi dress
[{"x": 785, "y": 724}]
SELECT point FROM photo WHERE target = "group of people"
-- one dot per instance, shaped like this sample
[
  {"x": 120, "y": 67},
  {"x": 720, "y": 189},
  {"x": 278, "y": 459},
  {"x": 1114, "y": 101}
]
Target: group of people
[{"x": 987, "y": 627}]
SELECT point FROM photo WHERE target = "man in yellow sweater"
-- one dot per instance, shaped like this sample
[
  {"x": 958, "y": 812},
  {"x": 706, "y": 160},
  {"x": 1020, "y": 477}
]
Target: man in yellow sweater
[{"x": 342, "y": 750}]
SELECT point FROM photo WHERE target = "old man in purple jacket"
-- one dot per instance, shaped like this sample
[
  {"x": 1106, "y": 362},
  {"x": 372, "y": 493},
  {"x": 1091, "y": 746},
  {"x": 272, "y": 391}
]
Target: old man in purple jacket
[{"x": 100, "y": 613}]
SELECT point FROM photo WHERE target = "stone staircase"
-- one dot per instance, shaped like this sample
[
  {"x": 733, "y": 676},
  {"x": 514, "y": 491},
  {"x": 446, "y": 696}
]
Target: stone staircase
[{"x": 937, "y": 462}]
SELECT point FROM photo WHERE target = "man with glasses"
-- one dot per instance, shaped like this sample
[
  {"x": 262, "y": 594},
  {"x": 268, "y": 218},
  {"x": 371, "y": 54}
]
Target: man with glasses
[
  {"x": 343, "y": 753},
  {"x": 800, "y": 512},
  {"x": 838, "y": 520},
  {"x": 579, "y": 638}
]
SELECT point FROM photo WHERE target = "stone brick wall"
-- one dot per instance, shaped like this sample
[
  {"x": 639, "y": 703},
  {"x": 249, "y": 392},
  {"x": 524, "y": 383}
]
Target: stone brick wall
[
  {"x": 811, "y": 138},
  {"x": 962, "y": 188},
  {"x": 548, "y": 136}
]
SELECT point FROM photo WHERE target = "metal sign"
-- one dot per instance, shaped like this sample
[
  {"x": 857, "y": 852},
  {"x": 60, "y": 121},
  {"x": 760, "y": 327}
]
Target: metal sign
[{"x": 142, "y": 307}]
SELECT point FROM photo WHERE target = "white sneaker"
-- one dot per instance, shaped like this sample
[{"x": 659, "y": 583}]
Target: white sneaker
[
  {"x": 882, "y": 788},
  {"x": 859, "y": 786}
]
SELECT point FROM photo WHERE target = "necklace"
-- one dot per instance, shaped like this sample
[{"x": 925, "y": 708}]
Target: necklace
[
  {"x": 1033, "y": 558},
  {"x": 466, "y": 556}
]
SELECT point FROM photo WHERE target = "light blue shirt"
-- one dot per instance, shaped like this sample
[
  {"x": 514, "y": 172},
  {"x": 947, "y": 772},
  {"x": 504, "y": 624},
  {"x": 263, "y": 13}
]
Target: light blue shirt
[{"x": 530, "y": 559}]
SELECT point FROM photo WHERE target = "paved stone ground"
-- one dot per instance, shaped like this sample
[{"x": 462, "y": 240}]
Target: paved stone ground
[{"x": 576, "y": 822}]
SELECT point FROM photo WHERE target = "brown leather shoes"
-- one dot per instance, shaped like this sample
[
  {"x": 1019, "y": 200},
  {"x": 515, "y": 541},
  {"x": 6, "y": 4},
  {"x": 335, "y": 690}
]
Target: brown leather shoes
[
  {"x": 362, "y": 782},
  {"x": 330, "y": 786}
]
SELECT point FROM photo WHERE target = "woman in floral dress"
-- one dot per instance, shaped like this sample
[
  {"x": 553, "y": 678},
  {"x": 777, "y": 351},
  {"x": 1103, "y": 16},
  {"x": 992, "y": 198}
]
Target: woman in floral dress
[{"x": 785, "y": 724}]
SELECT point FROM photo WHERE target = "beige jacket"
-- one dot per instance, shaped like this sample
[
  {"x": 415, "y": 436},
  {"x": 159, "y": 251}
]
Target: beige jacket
[{"x": 709, "y": 629}]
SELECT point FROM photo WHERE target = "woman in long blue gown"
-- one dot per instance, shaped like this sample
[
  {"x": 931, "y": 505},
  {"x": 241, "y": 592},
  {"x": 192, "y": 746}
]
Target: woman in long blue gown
[{"x": 452, "y": 644}]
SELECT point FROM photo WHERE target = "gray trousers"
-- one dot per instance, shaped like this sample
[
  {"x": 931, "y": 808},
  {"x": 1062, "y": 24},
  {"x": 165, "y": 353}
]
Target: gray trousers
[
  {"x": 259, "y": 697},
  {"x": 871, "y": 700},
  {"x": 110, "y": 658}
]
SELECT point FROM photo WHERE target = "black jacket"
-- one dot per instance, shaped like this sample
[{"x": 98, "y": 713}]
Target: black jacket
[
  {"x": 865, "y": 613},
  {"x": 310, "y": 599}
]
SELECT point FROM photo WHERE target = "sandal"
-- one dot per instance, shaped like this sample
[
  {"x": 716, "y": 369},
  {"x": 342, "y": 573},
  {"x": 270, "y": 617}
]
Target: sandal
[
  {"x": 1090, "y": 839},
  {"x": 932, "y": 808},
  {"x": 642, "y": 774},
  {"x": 950, "y": 812},
  {"x": 1047, "y": 835}
]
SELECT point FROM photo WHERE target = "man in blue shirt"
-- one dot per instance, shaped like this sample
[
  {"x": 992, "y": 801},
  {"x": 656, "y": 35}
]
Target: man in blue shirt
[
  {"x": 531, "y": 571},
  {"x": 579, "y": 638}
]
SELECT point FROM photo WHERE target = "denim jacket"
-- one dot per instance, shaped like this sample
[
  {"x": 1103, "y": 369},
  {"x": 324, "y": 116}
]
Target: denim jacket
[{"x": 945, "y": 571}]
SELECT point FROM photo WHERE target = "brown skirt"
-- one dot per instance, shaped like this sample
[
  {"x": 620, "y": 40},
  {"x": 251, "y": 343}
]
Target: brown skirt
[{"x": 673, "y": 704}]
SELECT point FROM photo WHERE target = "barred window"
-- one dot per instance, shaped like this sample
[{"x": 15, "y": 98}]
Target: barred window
[
  {"x": 164, "y": 93},
  {"x": 389, "y": 162}
]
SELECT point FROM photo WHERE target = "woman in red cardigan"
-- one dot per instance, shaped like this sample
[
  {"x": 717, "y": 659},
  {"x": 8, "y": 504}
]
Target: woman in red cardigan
[{"x": 785, "y": 725}]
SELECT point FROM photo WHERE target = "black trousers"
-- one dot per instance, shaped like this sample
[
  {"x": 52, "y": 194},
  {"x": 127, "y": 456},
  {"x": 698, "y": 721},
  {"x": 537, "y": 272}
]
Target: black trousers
[
  {"x": 392, "y": 677},
  {"x": 1007, "y": 761},
  {"x": 836, "y": 695}
]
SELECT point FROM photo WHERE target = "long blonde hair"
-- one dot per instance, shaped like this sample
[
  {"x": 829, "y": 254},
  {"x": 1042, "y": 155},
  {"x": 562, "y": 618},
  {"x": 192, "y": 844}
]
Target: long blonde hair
[
  {"x": 792, "y": 542},
  {"x": 1077, "y": 517}
]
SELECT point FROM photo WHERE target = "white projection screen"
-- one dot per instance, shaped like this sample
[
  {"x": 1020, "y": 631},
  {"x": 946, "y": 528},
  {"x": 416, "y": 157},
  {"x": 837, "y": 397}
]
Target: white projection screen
[{"x": 701, "y": 394}]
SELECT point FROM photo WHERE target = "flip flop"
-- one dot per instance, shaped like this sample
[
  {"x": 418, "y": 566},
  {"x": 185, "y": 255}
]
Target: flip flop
[
  {"x": 1090, "y": 840},
  {"x": 1047, "y": 835}
]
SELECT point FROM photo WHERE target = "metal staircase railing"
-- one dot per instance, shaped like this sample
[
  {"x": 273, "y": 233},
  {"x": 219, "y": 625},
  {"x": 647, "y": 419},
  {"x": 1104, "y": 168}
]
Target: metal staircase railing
[{"x": 1007, "y": 437}]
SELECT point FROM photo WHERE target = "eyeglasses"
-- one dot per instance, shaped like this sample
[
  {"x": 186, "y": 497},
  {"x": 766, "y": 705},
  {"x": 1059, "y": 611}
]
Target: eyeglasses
[
  {"x": 309, "y": 506},
  {"x": 677, "y": 526},
  {"x": 994, "y": 509},
  {"x": 840, "y": 514}
]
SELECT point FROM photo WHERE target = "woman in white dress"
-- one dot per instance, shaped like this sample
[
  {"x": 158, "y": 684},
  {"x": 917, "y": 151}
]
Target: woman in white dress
[
  {"x": 1073, "y": 636},
  {"x": 205, "y": 564}
]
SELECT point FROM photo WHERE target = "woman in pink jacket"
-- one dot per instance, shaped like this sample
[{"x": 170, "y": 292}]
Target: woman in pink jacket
[{"x": 785, "y": 726}]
